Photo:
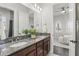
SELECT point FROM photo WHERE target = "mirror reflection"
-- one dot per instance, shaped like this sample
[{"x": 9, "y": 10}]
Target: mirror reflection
[{"x": 6, "y": 23}]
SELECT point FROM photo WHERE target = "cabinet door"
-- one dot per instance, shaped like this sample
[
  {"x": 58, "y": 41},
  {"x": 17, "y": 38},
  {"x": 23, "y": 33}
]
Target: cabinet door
[
  {"x": 40, "y": 48},
  {"x": 46, "y": 46},
  {"x": 39, "y": 51}
]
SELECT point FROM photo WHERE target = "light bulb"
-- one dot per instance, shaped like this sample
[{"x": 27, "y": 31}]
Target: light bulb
[
  {"x": 63, "y": 11},
  {"x": 35, "y": 5},
  {"x": 40, "y": 9}
]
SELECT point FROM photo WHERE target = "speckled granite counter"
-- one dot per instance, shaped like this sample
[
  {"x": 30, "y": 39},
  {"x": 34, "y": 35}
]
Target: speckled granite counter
[{"x": 7, "y": 49}]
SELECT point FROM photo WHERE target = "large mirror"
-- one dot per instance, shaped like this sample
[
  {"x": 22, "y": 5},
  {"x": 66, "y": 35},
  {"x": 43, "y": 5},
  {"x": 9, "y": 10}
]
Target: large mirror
[
  {"x": 14, "y": 20},
  {"x": 6, "y": 23}
]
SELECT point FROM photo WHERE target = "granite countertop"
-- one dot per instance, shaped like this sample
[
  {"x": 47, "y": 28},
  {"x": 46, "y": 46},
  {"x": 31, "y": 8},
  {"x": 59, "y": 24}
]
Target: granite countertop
[{"x": 7, "y": 48}]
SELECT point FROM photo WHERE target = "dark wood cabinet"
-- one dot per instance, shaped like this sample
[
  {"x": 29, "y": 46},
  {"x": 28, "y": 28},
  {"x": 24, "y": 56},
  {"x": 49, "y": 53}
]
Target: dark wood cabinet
[
  {"x": 31, "y": 50},
  {"x": 33, "y": 53},
  {"x": 46, "y": 46},
  {"x": 40, "y": 48}
]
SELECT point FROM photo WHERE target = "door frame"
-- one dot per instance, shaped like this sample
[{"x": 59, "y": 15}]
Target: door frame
[
  {"x": 76, "y": 28},
  {"x": 73, "y": 19}
]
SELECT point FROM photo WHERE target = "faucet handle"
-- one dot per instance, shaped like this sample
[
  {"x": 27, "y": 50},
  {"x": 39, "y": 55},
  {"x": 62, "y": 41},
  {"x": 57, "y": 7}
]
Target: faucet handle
[{"x": 17, "y": 38}]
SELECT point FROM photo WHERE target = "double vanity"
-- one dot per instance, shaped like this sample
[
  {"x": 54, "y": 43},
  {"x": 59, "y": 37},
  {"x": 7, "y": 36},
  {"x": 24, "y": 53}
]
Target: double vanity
[{"x": 39, "y": 46}]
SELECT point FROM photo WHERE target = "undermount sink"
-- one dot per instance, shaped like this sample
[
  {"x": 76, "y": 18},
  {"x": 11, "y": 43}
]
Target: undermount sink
[{"x": 18, "y": 44}]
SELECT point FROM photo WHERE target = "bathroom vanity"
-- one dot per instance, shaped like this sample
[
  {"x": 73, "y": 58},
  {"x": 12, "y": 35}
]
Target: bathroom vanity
[
  {"x": 28, "y": 47},
  {"x": 39, "y": 48}
]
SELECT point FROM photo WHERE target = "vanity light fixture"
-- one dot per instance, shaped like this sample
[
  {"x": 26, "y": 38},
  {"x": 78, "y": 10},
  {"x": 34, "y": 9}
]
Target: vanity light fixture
[
  {"x": 65, "y": 9},
  {"x": 37, "y": 7}
]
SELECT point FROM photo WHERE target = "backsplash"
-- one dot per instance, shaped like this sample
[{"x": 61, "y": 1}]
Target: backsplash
[
  {"x": 10, "y": 39},
  {"x": 17, "y": 38}
]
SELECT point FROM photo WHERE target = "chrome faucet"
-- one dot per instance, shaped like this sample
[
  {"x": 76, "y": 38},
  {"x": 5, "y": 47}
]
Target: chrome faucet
[{"x": 17, "y": 39}]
